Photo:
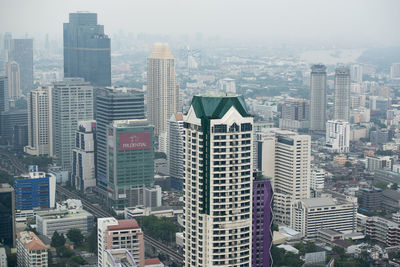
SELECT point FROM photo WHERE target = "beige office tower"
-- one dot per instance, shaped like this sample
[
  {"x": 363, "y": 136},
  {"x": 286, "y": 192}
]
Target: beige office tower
[
  {"x": 285, "y": 157},
  {"x": 14, "y": 80},
  {"x": 162, "y": 90},
  {"x": 40, "y": 130},
  {"x": 342, "y": 94},
  {"x": 318, "y": 98},
  {"x": 218, "y": 182}
]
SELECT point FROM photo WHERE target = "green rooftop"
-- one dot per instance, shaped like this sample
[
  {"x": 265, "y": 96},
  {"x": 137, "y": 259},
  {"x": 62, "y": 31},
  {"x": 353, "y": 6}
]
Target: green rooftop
[{"x": 215, "y": 107}]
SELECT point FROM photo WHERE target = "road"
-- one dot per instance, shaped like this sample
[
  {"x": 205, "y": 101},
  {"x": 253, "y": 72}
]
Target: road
[
  {"x": 99, "y": 213},
  {"x": 14, "y": 161}
]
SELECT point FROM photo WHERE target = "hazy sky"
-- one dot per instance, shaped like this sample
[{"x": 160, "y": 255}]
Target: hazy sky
[{"x": 372, "y": 21}]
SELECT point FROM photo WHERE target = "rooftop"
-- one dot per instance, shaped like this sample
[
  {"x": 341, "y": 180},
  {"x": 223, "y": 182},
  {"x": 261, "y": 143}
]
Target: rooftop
[
  {"x": 215, "y": 107},
  {"x": 318, "y": 202},
  {"x": 124, "y": 224},
  {"x": 31, "y": 241},
  {"x": 152, "y": 261}
]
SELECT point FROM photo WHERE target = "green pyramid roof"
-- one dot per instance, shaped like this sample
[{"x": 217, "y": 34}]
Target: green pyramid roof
[{"x": 215, "y": 107}]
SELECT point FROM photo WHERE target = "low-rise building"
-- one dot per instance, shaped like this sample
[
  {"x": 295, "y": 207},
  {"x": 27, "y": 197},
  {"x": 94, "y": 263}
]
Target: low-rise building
[
  {"x": 310, "y": 215},
  {"x": 383, "y": 230},
  {"x": 31, "y": 251},
  {"x": 370, "y": 199},
  {"x": 327, "y": 236},
  {"x": 375, "y": 163},
  {"x": 386, "y": 176},
  {"x": 154, "y": 262},
  {"x": 117, "y": 234},
  {"x": 391, "y": 200},
  {"x": 118, "y": 258},
  {"x": 63, "y": 220},
  {"x": 3, "y": 257}
]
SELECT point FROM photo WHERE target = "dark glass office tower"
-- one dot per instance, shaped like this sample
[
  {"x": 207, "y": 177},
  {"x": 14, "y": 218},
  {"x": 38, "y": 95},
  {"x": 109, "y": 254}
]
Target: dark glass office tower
[
  {"x": 7, "y": 215},
  {"x": 87, "y": 52},
  {"x": 22, "y": 53},
  {"x": 113, "y": 104}
]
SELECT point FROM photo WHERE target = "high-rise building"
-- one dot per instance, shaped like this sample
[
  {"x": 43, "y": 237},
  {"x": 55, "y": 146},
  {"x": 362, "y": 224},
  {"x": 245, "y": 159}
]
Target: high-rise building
[
  {"x": 318, "y": 98},
  {"x": 83, "y": 156},
  {"x": 22, "y": 53},
  {"x": 262, "y": 220},
  {"x": 118, "y": 234},
  {"x": 7, "y": 41},
  {"x": 113, "y": 104},
  {"x": 395, "y": 71},
  {"x": 4, "y": 100},
  {"x": 175, "y": 146},
  {"x": 317, "y": 180},
  {"x": 40, "y": 132},
  {"x": 295, "y": 114},
  {"x": 31, "y": 251},
  {"x": 218, "y": 182},
  {"x": 162, "y": 89},
  {"x": 130, "y": 161},
  {"x": 357, "y": 73},
  {"x": 285, "y": 157},
  {"x": 338, "y": 136},
  {"x": 72, "y": 101},
  {"x": 4, "y": 103},
  {"x": 87, "y": 51},
  {"x": 14, "y": 80},
  {"x": 35, "y": 190},
  {"x": 7, "y": 215},
  {"x": 342, "y": 94}
]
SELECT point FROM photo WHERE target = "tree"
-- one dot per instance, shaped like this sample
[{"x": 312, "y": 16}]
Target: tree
[
  {"x": 92, "y": 240},
  {"x": 64, "y": 252},
  {"x": 339, "y": 250},
  {"x": 394, "y": 186},
  {"x": 310, "y": 247},
  {"x": 381, "y": 185},
  {"x": 76, "y": 260},
  {"x": 57, "y": 240},
  {"x": 347, "y": 164},
  {"x": 76, "y": 236}
]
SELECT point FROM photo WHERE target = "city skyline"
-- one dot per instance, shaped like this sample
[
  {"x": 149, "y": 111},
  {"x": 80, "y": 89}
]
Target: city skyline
[{"x": 283, "y": 20}]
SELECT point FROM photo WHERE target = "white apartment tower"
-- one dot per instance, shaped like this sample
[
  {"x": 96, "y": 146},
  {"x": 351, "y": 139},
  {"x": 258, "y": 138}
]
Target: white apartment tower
[
  {"x": 72, "y": 101},
  {"x": 218, "y": 182},
  {"x": 285, "y": 157},
  {"x": 14, "y": 80},
  {"x": 40, "y": 122},
  {"x": 342, "y": 94},
  {"x": 338, "y": 136},
  {"x": 318, "y": 98},
  {"x": 83, "y": 156},
  {"x": 292, "y": 172},
  {"x": 175, "y": 146},
  {"x": 162, "y": 89}
]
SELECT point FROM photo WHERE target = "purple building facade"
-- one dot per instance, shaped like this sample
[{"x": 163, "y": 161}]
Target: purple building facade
[{"x": 262, "y": 220}]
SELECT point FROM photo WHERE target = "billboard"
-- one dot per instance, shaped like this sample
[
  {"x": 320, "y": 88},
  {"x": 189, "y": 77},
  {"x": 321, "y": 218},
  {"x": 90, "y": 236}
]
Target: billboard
[{"x": 134, "y": 141}]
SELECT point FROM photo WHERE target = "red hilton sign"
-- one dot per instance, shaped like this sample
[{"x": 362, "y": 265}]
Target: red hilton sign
[{"x": 134, "y": 141}]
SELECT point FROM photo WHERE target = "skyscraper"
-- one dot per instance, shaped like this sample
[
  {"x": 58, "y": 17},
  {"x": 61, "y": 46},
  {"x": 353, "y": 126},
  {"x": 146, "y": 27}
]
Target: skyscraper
[
  {"x": 22, "y": 53},
  {"x": 262, "y": 220},
  {"x": 7, "y": 215},
  {"x": 130, "y": 161},
  {"x": 285, "y": 156},
  {"x": 318, "y": 98},
  {"x": 162, "y": 89},
  {"x": 4, "y": 104},
  {"x": 87, "y": 52},
  {"x": 218, "y": 182},
  {"x": 72, "y": 101},
  {"x": 40, "y": 122},
  {"x": 113, "y": 104},
  {"x": 342, "y": 94},
  {"x": 175, "y": 147},
  {"x": 14, "y": 80}
]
